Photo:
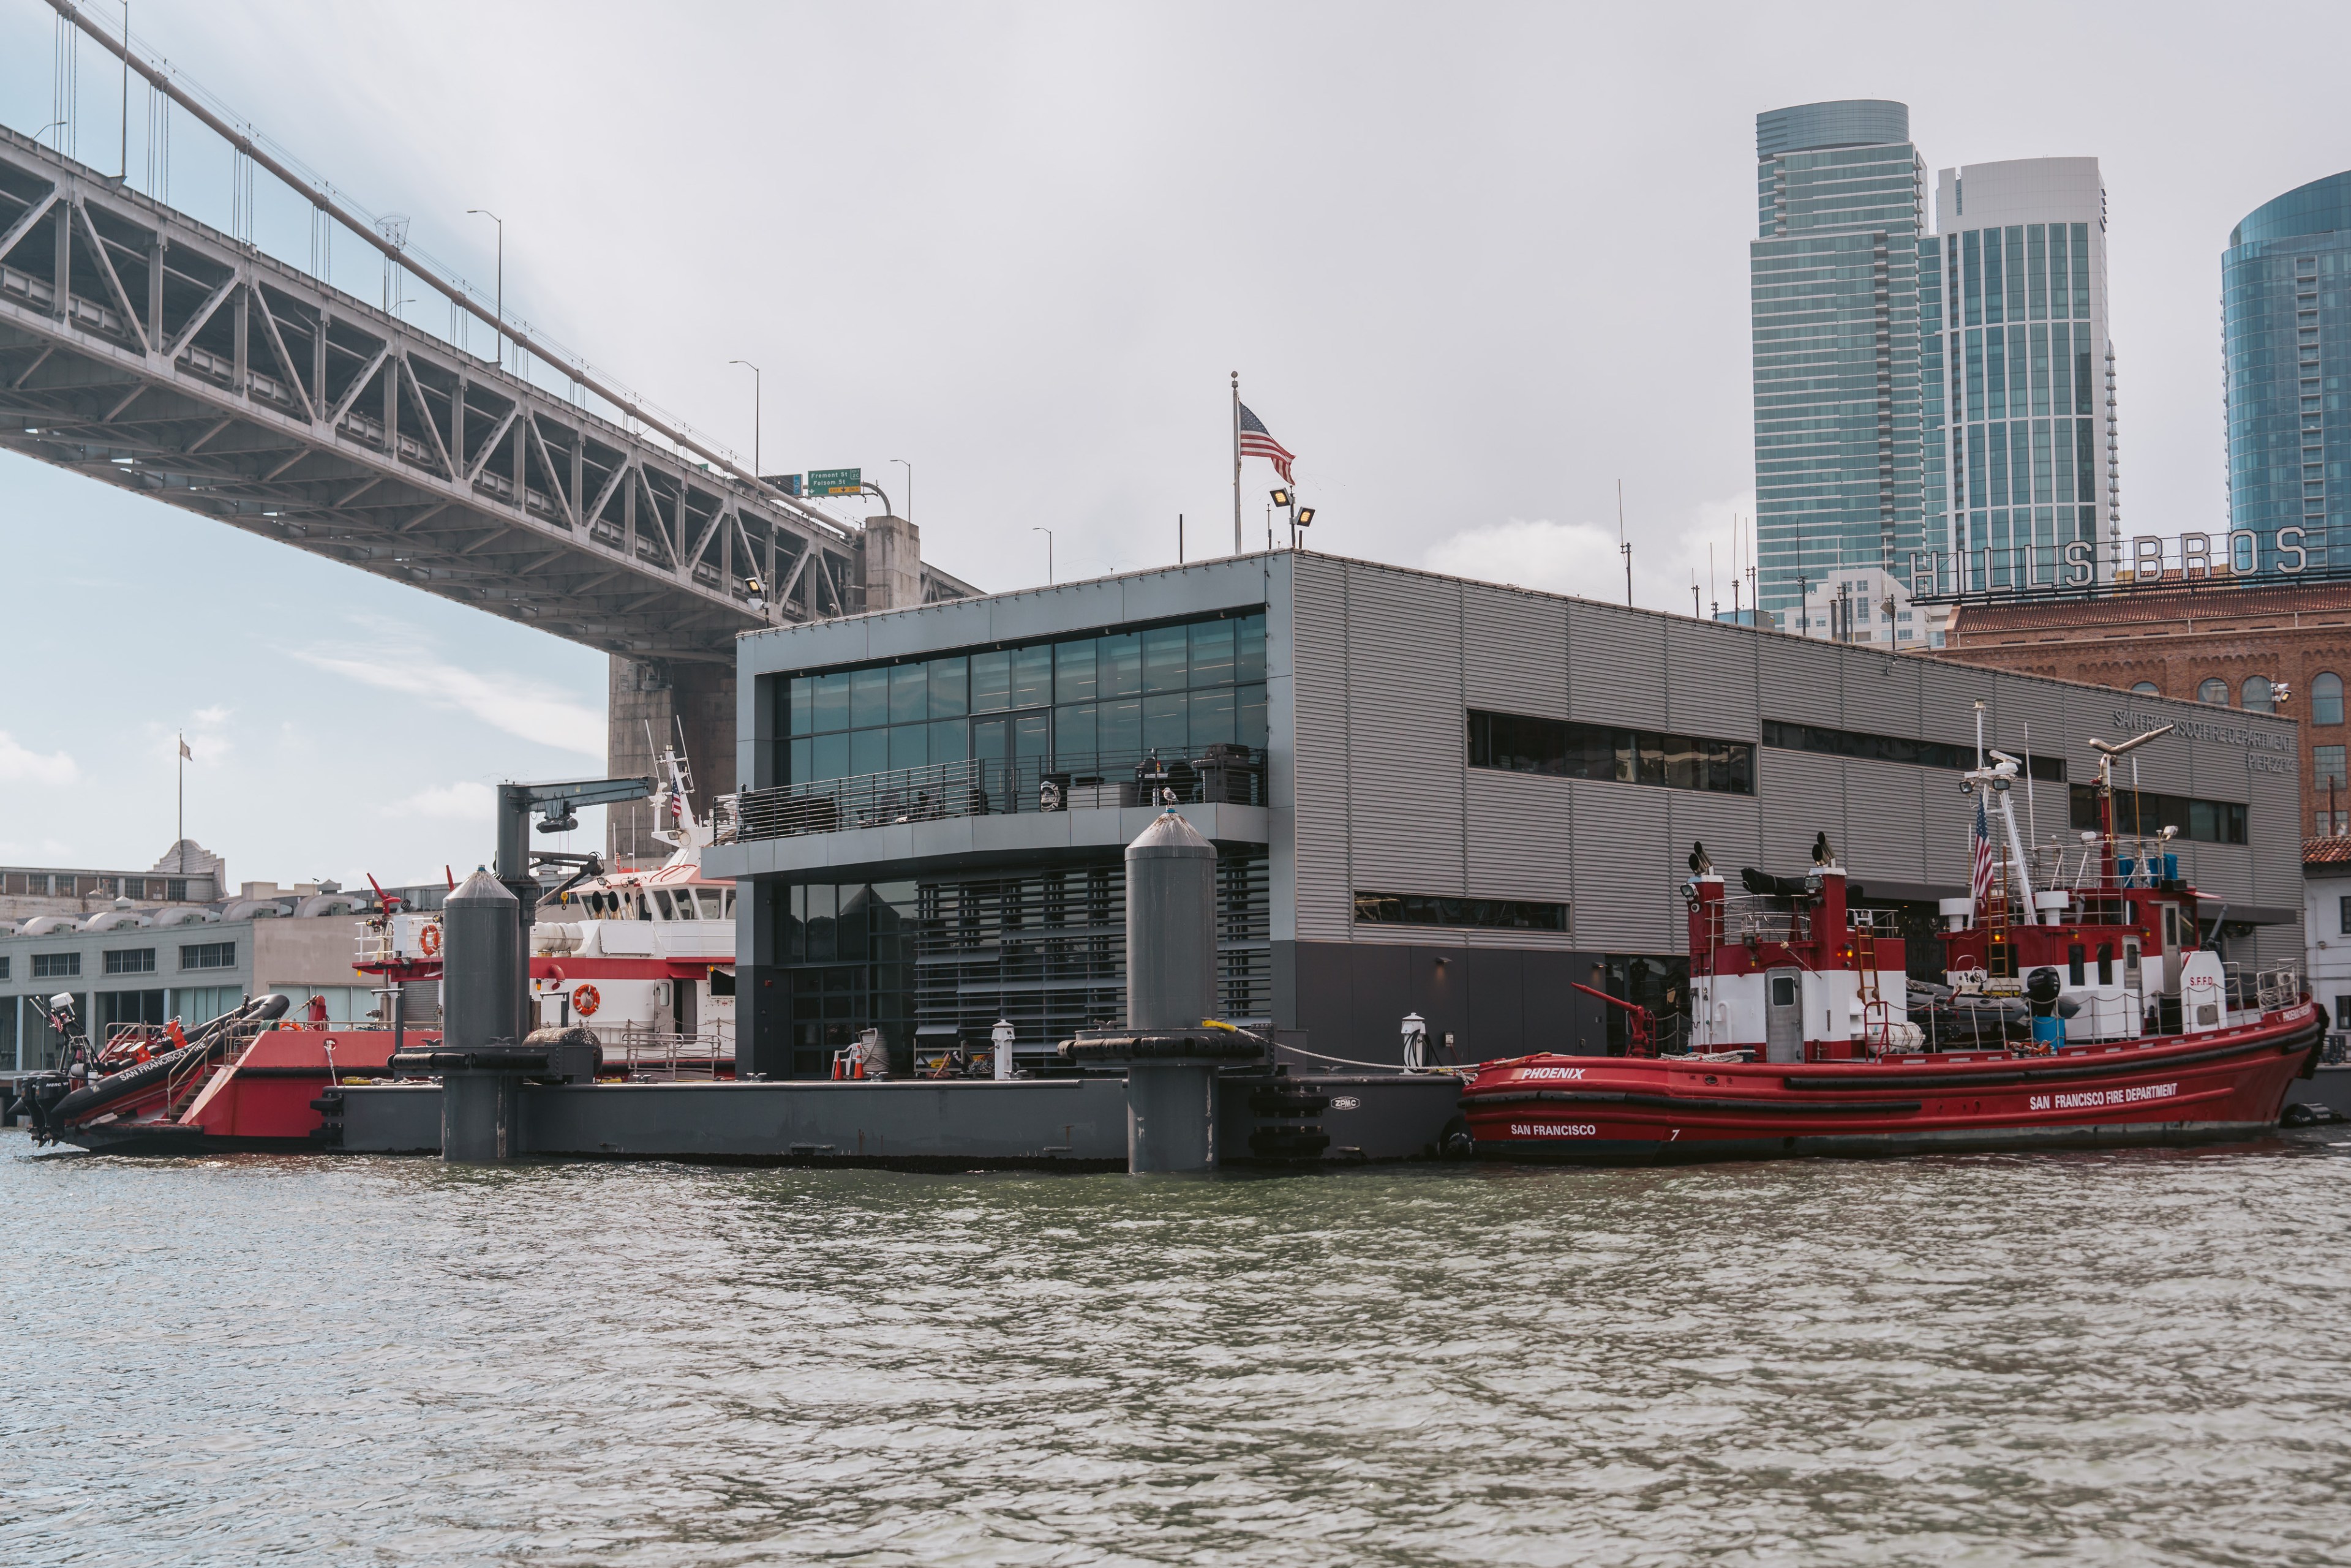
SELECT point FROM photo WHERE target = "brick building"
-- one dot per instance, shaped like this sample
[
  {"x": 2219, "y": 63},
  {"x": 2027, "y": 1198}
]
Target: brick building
[{"x": 2222, "y": 642}]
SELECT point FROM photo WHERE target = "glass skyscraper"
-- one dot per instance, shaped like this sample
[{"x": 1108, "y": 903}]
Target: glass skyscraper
[
  {"x": 1840, "y": 470},
  {"x": 2286, "y": 308},
  {"x": 2026, "y": 465}
]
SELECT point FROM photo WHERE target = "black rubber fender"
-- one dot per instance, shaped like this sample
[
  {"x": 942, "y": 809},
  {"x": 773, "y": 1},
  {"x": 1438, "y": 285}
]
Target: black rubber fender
[
  {"x": 1288, "y": 1141},
  {"x": 1454, "y": 1142},
  {"x": 1288, "y": 1101}
]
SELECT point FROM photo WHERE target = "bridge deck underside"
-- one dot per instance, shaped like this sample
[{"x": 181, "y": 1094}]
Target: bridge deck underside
[{"x": 141, "y": 347}]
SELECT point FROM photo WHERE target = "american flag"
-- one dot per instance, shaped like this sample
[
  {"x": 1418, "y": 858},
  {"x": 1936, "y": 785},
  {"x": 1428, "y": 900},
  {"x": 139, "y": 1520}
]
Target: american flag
[
  {"x": 1259, "y": 442},
  {"x": 1982, "y": 884}
]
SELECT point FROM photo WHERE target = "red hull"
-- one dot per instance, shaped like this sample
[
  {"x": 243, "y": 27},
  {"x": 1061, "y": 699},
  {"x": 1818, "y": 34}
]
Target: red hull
[
  {"x": 2224, "y": 1085},
  {"x": 259, "y": 1102}
]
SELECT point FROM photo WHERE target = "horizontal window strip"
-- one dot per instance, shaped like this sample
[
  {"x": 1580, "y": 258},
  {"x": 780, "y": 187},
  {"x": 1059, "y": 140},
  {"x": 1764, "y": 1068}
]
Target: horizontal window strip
[
  {"x": 2144, "y": 812},
  {"x": 1826, "y": 742},
  {"x": 1470, "y": 914},
  {"x": 1518, "y": 743}
]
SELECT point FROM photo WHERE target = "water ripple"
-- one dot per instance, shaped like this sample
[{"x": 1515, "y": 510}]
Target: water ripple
[{"x": 2116, "y": 1358}]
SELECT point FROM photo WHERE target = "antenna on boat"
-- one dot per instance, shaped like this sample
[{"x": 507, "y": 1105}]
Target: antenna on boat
[{"x": 2110, "y": 750}]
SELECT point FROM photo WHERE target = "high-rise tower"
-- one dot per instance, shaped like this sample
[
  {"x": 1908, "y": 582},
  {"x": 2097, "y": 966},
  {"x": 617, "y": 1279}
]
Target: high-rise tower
[
  {"x": 1833, "y": 272},
  {"x": 2028, "y": 466},
  {"x": 2285, "y": 309}
]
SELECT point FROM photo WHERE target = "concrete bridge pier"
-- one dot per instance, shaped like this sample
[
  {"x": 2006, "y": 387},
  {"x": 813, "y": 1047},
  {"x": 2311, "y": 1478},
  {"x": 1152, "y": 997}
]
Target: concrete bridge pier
[
  {"x": 658, "y": 694},
  {"x": 655, "y": 694}
]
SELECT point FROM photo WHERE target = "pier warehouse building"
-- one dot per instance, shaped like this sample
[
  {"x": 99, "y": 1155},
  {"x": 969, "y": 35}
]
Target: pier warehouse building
[{"x": 1428, "y": 795}]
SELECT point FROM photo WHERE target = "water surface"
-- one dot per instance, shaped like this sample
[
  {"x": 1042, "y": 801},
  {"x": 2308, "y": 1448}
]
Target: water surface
[{"x": 2098, "y": 1358}]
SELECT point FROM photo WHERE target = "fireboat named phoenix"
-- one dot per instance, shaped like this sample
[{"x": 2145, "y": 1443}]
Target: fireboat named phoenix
[{"x": 2077, "y": 1013}]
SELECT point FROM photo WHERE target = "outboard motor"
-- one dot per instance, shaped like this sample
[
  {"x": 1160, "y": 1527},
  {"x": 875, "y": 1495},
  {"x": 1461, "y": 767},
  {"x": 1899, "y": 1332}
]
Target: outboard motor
[
  {"x": 37, "y": 1100},
  {"x": 38, "y": 1095}
]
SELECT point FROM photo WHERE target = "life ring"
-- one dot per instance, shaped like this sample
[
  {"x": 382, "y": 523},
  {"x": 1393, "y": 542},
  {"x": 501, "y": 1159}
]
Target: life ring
[
  {"x": 585, "y": 1001},
  {"x": 429, "y": 940}
]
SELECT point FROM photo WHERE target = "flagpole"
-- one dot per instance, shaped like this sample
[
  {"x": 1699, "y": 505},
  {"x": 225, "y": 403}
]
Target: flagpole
[
  {"x": 180, "y": 840},
  {"x": 1236, "y": 463}
]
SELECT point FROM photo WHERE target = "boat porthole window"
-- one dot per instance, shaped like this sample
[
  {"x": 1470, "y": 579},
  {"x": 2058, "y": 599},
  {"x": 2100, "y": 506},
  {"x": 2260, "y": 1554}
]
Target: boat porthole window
[
  {"x": 2130, "y": 959},
  {"x": 1783, "y": 992},
  {"x": 2214, "y": 691}
]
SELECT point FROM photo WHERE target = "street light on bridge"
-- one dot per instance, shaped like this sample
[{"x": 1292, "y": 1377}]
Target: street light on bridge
[
  {"x": 485, "y": 213},
  {"x": 755, "y": 378}
]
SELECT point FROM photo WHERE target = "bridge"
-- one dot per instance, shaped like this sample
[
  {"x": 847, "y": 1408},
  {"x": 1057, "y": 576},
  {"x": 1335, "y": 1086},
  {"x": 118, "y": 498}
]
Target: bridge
[{"x": 146, "y": 349}]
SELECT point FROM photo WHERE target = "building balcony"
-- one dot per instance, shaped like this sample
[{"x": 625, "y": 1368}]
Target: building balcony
[{"x": 975, "y": 813}]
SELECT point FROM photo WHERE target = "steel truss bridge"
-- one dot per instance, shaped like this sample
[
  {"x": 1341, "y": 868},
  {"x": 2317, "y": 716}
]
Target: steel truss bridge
[{"x": 146, "y": 349}]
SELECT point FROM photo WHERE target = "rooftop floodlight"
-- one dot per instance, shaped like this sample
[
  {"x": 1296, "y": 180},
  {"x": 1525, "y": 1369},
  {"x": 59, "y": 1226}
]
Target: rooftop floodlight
[
  {"x": 1282, "y": 497},
  {"x": 1305, "y": 516}
]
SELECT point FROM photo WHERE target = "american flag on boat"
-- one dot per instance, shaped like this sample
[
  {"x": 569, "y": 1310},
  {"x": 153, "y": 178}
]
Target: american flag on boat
[
  {"x": 1259, "y": 442},
  {"x": 1982, "y": 878}
]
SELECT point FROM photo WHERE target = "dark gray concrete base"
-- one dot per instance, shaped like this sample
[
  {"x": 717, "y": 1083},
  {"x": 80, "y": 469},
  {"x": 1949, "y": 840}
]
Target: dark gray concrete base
[
  {"x": 911, "y": 1124},
  {"x": 390, "y": 1119},
  {"x": 480, "y": 1115},
  {"x": 1171, "y": 1116},
  {"x": 1371, "y": 1118},
  {"x": 1053, "y": 1123}
]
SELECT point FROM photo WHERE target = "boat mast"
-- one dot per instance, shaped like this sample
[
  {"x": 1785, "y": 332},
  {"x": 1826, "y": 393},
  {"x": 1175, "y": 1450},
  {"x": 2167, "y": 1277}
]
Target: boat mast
[
  {"x": 2106, "y": 754},
  {"x": 2004, "y": 797}
]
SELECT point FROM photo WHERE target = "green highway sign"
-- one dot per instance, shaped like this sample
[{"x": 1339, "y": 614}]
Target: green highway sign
[{"x": 835, "y": 481}]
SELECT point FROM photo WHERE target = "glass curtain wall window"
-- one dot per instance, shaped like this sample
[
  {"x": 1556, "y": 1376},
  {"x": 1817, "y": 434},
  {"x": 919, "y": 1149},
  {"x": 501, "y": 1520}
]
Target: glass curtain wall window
[
  {"x": 2285, "y": 285},
  {"x": 2023, "y": 440},
  {"x": 1836, "y": 273},
  {"x": 1105, "y": 701}
]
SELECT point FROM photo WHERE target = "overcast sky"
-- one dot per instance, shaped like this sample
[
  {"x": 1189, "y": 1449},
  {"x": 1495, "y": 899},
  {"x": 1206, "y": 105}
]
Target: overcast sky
[{"x": 1475, "y": 263}]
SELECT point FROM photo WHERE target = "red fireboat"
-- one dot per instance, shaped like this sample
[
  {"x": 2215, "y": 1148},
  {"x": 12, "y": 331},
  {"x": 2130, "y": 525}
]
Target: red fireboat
[{"x": 2081, "y": 1013}]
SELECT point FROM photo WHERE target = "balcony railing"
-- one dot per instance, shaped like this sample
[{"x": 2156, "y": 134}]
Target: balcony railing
[{"x": 1226, "y": 775}]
